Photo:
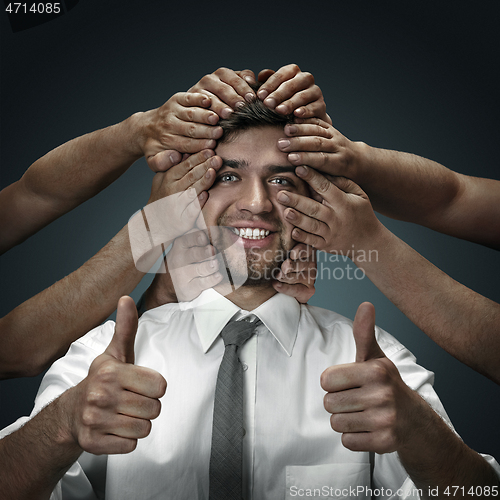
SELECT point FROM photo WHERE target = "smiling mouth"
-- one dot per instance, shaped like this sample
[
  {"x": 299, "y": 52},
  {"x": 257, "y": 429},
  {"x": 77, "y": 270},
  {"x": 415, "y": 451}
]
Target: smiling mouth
[{"x": 250, "y": 233}]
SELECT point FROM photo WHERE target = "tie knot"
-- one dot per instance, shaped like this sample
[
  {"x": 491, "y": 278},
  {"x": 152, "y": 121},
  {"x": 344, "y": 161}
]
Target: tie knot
[{"x": 238, "y": 332}]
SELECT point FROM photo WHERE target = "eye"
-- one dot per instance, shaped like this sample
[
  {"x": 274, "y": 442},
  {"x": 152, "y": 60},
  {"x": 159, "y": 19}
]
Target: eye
[
  {"x": 227, "y": 177},
  {"x": 282, "y": 181}
]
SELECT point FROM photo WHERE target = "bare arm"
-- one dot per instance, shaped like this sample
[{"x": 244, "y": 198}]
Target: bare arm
[
  {"x": 460, "y": 320},
  {"x": 402, "y": 185},
  {"x": 41, "y": 329},
  {"x": 79, "y": 169}
]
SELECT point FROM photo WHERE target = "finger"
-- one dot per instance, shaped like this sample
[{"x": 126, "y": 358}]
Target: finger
[
  {"x": 316, "y": 108},
  {"x": 264, "y": 75},
  {"x": 348, "y": 401},
  {"x": 197, "y": 115},
  {"x": 193, "y": 99},
  {"x": 125, "y": 426},
  {"x": 296, "y": 92},
  {"x": 308, "y": 224},
  {"x": 182, "y": 171},
  {"x": 306, "y": 206},
  {"x": 238, "y": 84},
  {"x": 202, "y": 283},
  {"x": 312, "y": 240},
  {"x": 347, "y": 376},
  {"x": 143, "y": 381},
  {"x": 206, "y": 177},
  {"x": 162, "y": 161},
  {"x": 107, "y": 444},
  {"x": 138, "y": 406},
  {"x": 275, "y": 80},
  {"x": 363, "y": 330},
  {"x": 302, "y": 253},
  {"x": 248, "y": 75},
  {"x": 319, "y": 183},
  {"x": 320, "y": 128},
  {"x": 300, "y": 292},
  {"x": 189, "y": 129},
  {"x": 121, "y": 346}
]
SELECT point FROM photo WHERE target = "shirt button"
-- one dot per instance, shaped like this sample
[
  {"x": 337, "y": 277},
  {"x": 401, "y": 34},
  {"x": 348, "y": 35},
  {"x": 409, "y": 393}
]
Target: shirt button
[{"x": 245, "y": 367}]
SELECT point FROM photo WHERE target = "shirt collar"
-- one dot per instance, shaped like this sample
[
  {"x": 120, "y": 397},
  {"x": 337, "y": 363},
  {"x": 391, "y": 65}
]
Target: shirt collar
[{"x": 280, "y": 314}]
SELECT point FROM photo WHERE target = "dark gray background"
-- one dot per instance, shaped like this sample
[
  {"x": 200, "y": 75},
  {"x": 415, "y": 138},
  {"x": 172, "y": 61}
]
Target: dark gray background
[{"x": 415, "y": 76}]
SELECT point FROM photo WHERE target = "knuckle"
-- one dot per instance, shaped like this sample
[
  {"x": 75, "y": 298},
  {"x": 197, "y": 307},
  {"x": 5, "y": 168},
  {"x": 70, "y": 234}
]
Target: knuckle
[
  {"x": 89, "y": 417},
  {"x": 107, "y": 372},
  {"x": 309, "y": 77},
  {"x": 97, "y": 398},
  {"x": 294, "y": 68}
]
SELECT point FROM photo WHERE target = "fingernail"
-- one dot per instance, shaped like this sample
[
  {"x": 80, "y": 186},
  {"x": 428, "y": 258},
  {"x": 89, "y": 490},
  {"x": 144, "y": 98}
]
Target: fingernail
[
  {"x": 283, "y": 143},
  {"x": 282, "y": 196},
  {"x": 226, "y": 112},
  {"x": 290, "y": 215},
  {"x": 301, "y": 171},
  {"x": 270, "y": 102},
  {"x": 209, "y": 173},
  {"x": 249, "y": 79},
  {"x": 239, "y": 105},
  {"x": 214, "y": 264},
  {"x": 208, "y": 153},
  {"x": 173, "y": 158},
  {"x": 291, "y": 129},
  {"x": 300, "y": 111},
  {"x": 262, "y": 94},
  {"x": 213, "y": 119},
  {"x": 278, "y": 284},
  {"x": 282, "y": 109},
  {"x": 249, "y": 97},
  {"x": 293, "y": 157},
  {"x": 214, "y": 161}
]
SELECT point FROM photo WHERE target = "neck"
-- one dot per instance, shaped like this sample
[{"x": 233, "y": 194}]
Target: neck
[{"x": 248, "y": 297}]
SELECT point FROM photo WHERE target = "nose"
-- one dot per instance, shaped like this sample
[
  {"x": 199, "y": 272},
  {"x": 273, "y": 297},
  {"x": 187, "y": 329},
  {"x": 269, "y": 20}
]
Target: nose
[{"x": 255, "y": 198}]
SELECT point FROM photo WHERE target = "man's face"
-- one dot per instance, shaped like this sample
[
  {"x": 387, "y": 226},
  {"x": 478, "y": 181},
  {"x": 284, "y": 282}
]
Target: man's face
[{"x": 243, "y": 198}]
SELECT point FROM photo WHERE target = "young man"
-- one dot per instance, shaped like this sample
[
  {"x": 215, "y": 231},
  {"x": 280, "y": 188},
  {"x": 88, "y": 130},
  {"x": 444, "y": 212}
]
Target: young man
[{"x": 386, "y": 437}]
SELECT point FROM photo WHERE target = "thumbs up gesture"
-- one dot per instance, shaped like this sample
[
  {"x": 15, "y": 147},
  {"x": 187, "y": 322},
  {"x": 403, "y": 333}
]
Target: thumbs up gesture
[
  {"x": 370, "y": 404},
  {"x": 114, "y": 405}
]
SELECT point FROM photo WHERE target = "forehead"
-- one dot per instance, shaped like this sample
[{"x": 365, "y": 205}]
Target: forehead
[{"x": 255, "y": 147}]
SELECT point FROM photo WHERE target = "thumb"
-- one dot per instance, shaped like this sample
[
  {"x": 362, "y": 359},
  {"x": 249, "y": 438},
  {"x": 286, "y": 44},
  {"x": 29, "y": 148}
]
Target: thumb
[
  {"x": 363, "y": 330},
  {"x": 121, "y": 346}
]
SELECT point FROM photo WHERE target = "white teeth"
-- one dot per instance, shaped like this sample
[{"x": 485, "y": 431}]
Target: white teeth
[{"x": 250, "y": 233}]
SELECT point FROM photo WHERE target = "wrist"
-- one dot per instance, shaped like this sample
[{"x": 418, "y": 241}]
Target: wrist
[
  {"x": 361, "y": 154},
  {"x": 136, "y": 126}
]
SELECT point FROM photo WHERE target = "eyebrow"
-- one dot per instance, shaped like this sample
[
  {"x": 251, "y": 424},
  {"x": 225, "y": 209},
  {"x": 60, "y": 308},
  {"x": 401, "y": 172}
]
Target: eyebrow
[{"x": 272, "y": 169}]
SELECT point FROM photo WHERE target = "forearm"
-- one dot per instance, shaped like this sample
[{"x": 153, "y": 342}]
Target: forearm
[
  {"x": 411, "y": 188},
  {"x": 34, "y": 458},
  {"x": 435, "y": 457},
  {"x": 67, "y": 176},
  {"x": 460, "y": 320},
  {"x": 41, "y": 329},
  {"x": 402, "y": 185}
]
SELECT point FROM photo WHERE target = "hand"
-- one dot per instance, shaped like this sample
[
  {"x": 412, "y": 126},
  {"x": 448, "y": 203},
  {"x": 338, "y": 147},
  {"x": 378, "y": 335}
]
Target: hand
[
  {"x": 227, "y": 89},
  {"x": 339, "y": 219},
  {"x": 315, "y": 143},
  {"x": 114, "y": 405},
  {"x": 174, "y": 207},
  {"x": 370, "y": 404},
  {"x": 298, "y": 274},
  {"x": 182, "y": 124},
  {"x": 192, "y": 265},
  {"x": 290, "y": 90}
]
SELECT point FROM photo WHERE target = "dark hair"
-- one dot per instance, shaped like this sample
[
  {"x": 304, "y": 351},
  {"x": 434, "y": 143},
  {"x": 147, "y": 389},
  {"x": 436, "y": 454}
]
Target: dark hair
[{"x": 252, "y": 115}]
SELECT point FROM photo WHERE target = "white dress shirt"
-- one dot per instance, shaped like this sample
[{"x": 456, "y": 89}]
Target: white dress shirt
[{"x": 290, "y": 450}]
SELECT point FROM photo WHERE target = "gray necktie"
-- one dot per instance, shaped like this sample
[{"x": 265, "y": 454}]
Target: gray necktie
[{"x": 227, "y": 430}]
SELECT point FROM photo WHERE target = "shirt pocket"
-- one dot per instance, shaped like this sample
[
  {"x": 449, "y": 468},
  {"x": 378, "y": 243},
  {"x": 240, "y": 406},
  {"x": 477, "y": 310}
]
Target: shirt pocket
[{"x": 328, "y": 481}]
